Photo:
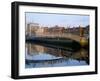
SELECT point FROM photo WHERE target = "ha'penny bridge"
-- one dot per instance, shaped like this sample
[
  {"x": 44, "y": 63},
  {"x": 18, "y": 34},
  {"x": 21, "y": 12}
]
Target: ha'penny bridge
[
  {"x": 80, "y": 39},
  {"x": 58, "y": 36}
]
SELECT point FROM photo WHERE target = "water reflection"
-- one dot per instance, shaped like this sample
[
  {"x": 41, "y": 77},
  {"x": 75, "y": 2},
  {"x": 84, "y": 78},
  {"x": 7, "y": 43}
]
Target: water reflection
[{"x": 40, "y": 55}]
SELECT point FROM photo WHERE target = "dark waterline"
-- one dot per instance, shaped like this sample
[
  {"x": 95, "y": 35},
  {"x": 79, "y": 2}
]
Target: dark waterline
[{"x": 44, "y": 55}]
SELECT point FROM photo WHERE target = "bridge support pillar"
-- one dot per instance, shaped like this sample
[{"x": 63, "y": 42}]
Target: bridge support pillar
[{"x": 83, "y": 41}]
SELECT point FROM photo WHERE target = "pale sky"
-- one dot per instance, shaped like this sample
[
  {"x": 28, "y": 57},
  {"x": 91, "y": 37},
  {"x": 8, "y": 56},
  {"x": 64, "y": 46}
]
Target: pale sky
[{"x": 47, "y": 19}]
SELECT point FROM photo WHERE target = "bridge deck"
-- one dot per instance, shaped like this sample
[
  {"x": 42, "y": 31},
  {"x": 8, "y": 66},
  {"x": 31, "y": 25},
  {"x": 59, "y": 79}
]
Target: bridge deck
[{"x": 68, "y": 35}]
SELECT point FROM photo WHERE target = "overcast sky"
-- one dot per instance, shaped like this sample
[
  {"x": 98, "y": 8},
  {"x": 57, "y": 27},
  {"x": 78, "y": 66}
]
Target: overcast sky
[{"x": 47, "y": 19}]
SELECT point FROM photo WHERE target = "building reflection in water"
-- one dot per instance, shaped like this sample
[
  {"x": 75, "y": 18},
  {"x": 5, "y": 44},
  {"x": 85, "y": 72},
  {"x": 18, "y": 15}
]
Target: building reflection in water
[{"x": 45, "y": 56}]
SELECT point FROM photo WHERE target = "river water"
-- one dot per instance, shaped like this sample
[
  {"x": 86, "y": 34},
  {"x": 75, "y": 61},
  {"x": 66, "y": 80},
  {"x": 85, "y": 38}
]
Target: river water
[{"x": 43, "y": 55}]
